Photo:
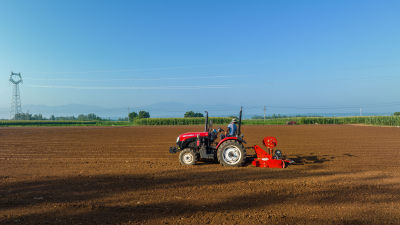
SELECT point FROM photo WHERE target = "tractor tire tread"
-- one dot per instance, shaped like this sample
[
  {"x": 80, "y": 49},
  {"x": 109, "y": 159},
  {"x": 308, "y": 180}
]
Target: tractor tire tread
[
  {"x": 194, "y": 154},
  {"x": 236, "y": 143}
]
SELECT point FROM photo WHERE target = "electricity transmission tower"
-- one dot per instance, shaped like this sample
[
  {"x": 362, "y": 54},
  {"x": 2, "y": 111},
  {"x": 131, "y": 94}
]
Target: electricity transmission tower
[{"x": 15, "y": 79}]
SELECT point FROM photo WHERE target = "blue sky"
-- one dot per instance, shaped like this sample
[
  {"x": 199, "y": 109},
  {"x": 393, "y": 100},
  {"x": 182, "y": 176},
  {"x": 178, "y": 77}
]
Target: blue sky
[{"x": 331, "y": 55}]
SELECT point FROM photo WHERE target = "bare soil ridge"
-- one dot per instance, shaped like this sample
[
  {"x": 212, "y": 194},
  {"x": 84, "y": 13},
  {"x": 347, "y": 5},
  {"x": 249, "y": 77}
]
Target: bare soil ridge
[{"x": 125, "y": 175}]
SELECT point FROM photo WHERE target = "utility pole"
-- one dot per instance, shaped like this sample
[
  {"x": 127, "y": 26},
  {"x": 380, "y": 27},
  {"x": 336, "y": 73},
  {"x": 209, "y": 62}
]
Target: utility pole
[
  {"x": 265, "y": 109},
  {"x": 360, "y": 111}
]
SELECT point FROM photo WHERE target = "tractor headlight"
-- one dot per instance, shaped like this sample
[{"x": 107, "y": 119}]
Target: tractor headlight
[{"x": 177, "y": 140}]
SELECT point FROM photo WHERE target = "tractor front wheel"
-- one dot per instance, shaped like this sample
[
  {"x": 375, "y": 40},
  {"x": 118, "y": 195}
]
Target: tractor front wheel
[
  {"x": 187, "y": 157},
  {"x": 231, "y": 153}
]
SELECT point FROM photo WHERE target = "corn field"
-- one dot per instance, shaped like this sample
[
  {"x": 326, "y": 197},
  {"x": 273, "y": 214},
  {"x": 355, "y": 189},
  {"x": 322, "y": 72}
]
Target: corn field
[
  {"x": 371, "y": 120},
  {"x": 181, "y": 121}
]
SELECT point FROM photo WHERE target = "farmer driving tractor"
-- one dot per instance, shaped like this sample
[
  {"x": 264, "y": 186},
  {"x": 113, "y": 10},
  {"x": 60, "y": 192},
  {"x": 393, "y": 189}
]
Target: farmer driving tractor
[{"x": 232, "y": 129}]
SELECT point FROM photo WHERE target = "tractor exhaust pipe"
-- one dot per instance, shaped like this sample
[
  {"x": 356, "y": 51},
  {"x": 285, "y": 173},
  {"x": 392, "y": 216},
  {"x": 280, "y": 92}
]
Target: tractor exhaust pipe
[
  {"x": 240, "y": 120},
  {"x": 206, "y": 125}
]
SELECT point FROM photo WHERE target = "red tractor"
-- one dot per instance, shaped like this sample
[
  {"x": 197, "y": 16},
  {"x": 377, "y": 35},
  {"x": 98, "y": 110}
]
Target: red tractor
[
  {"x": 196, "y": 146},
  {"x": 229, "y": 151}
]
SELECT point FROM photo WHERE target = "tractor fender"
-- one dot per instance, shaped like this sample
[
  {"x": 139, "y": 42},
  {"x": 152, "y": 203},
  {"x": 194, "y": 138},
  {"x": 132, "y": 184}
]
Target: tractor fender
[{"x": 228, "y": 138}]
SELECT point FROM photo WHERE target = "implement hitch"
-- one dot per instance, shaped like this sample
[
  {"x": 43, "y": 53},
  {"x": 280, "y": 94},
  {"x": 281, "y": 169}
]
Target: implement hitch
[{"x": 173, "y": 150}]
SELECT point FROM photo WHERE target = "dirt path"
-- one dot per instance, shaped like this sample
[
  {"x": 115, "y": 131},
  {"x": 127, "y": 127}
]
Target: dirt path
[{"x": 125, "y": 175}]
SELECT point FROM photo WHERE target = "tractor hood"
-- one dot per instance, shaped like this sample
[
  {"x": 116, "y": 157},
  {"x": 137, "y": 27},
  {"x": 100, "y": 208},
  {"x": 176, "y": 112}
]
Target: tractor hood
[{"x": 186, "y": 136}]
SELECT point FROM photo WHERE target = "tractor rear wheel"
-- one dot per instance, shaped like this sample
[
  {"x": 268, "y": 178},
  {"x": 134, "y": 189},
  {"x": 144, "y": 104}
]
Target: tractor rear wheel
[
  {"x": 231, "y": 153},
  {"x": 188, "y": 157}
]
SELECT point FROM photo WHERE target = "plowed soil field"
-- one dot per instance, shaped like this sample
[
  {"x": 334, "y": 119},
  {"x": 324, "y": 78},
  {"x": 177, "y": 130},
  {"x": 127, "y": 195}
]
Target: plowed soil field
[{"x": 125, "y": 175}]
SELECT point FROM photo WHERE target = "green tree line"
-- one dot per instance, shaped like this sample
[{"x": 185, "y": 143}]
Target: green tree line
[
  {"x": 81, "y": 117},
  {"x": 141, "y": 115}
]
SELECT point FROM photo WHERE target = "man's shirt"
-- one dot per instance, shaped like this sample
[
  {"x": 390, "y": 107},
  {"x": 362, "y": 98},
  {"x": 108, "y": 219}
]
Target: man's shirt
[{"x": 232, "y": 129}]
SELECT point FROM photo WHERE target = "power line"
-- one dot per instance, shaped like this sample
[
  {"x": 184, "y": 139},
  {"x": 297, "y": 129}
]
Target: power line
[
  {"x": 264, "y": 112},
  {"x": 132, "y": 79}
]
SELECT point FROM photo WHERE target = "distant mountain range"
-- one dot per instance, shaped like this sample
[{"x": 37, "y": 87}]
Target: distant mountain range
[{"x": 171, "y": 109}]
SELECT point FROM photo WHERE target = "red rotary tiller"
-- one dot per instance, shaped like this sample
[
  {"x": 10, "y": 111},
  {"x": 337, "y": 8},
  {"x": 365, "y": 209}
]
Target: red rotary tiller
[{"x": 272, "y": 159}]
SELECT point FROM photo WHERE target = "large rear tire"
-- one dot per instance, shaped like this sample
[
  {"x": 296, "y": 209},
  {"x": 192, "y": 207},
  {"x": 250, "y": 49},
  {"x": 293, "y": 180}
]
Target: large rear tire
[
  {"x": 188, "y": 157},
  {"x": 231, "y": 153}
]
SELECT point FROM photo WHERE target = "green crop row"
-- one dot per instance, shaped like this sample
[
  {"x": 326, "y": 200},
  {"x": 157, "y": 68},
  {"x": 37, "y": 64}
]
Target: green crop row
[
  {"x": 180, "y": 121},
  {"x": 275, "y": 121},
  {"x": 372, "y": 120},
  {"x": 114, "y": 123},
  {"x": 297, "y": 120}
]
